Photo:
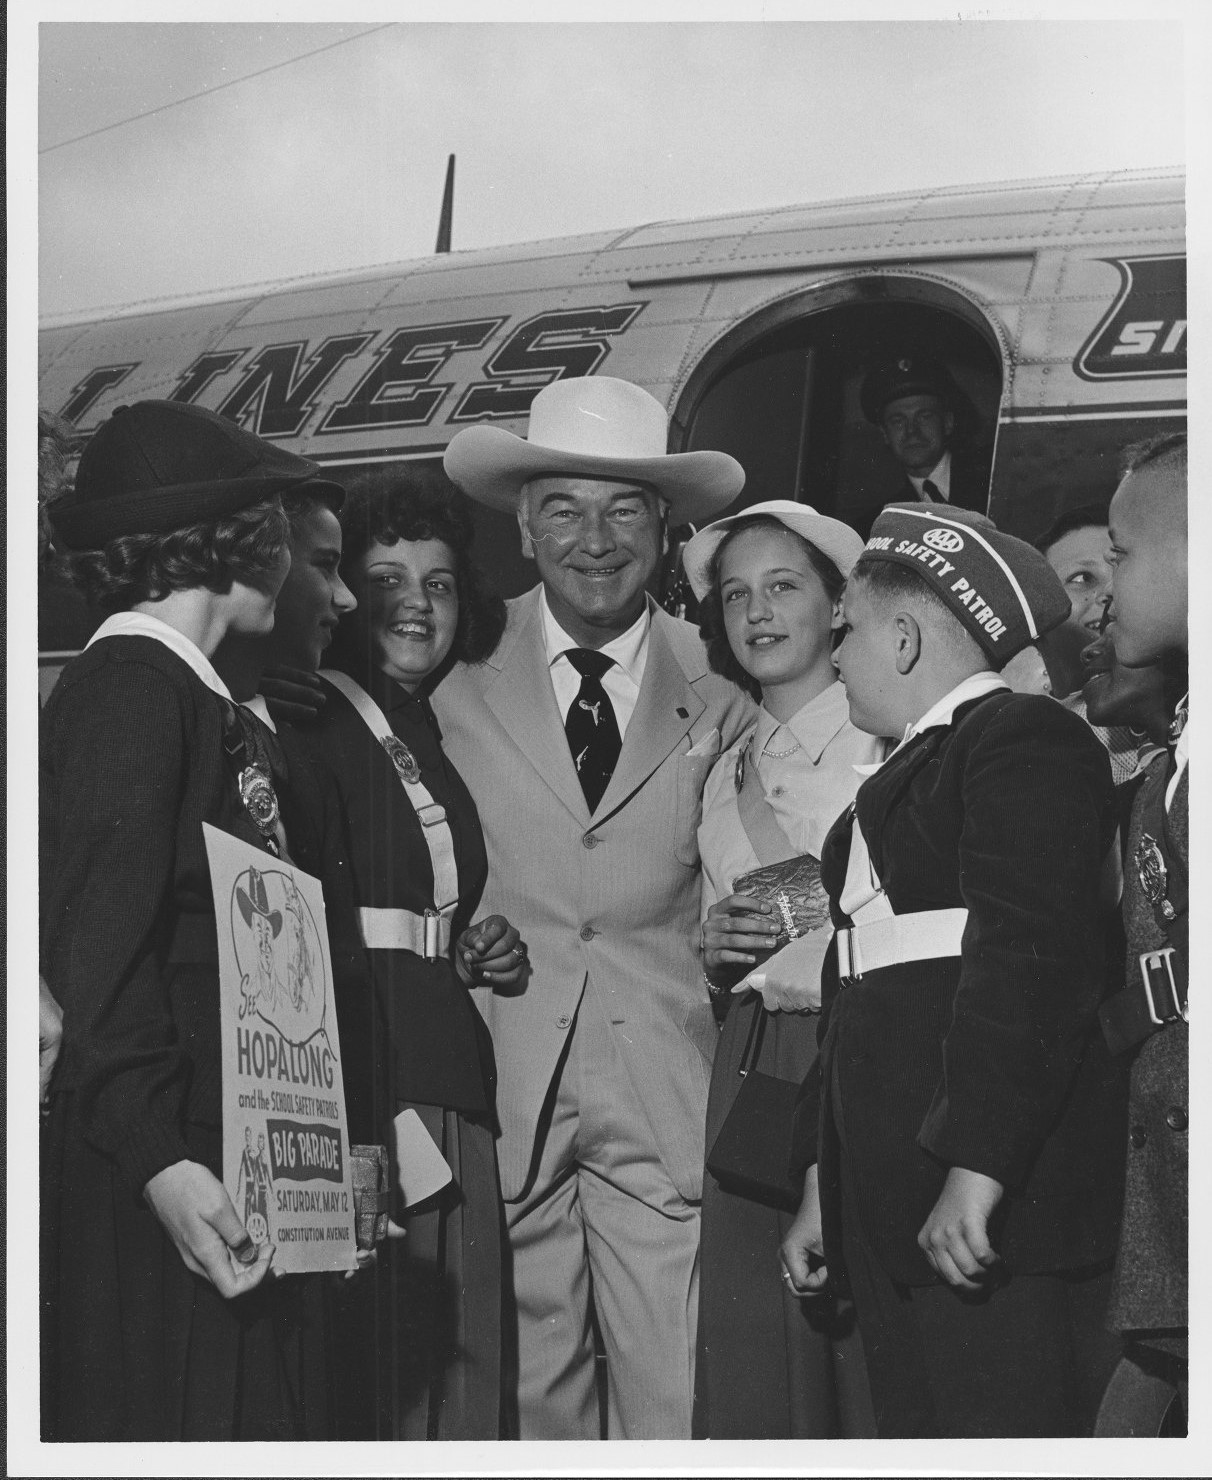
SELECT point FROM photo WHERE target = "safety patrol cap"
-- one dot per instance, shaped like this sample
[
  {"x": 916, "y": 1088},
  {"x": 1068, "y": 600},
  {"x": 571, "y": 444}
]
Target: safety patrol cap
[{"x": 1001, "y": 589}]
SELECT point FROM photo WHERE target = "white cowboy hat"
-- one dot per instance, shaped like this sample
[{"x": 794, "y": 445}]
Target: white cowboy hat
[
  {"x": 593, "y": 427},
  {"x": 835, "y": 540}
]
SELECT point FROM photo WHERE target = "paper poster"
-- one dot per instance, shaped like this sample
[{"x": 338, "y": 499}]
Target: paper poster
[{"x": 285, "y": 1134}]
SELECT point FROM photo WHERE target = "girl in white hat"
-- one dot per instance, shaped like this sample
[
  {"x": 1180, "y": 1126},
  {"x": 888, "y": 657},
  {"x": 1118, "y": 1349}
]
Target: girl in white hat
[{"x": 767, "y": 580}]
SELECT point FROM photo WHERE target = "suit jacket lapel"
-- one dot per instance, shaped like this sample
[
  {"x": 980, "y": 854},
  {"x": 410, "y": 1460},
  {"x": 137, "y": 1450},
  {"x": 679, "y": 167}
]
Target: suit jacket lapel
[
  {"x": 656, "y": 726},
  {"x": 522, "y": 698}
]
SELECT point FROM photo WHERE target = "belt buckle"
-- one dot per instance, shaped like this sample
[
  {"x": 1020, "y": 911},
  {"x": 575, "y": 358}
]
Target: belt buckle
[
  {"x": 431, "y": 814},
  {"x": 847, "y": 963},
  {"x": 1157, "y": 972}
]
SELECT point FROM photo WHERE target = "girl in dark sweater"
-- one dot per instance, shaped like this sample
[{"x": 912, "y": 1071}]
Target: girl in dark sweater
[{"x": 161, "y": 1317}]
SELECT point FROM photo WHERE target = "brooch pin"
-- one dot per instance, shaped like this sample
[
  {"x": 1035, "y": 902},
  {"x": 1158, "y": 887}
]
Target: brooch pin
[
  {"x": 1151, "y": 871},
  {"x": 402, "y": 759},
  {"x": 259, "y": 798}
]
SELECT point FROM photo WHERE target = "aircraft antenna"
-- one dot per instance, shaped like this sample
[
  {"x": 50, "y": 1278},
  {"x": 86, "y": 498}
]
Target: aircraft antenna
[{"x": 444, "y": 220}]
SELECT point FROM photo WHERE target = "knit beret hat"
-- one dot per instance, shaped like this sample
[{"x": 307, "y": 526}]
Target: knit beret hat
[{"x": 156, "y": 466}]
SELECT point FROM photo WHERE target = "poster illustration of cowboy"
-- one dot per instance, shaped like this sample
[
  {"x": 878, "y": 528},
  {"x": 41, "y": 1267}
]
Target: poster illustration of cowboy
[{"x": 285, "y": 1135}]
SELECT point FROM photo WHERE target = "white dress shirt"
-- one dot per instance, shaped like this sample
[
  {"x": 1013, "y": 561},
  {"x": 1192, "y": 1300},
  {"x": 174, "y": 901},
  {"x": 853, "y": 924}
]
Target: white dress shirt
[
  {"x": 621, "y": 681},
  {"x": 939, "y": 475}
]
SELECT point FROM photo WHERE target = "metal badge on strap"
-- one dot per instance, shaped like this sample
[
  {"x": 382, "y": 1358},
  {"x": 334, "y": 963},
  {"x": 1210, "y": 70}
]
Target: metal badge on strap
[{"x": 405, "y": 930}]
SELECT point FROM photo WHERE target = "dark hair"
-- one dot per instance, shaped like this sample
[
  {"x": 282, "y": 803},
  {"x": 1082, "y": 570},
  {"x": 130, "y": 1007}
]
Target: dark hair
[
  {"x": 1084, "y": 516},
  {"x": 1169, "y": 448},
  {"x": 245, "y": 546},
  {"x": 298, "y": 503},
  {"x": 720, "y": 657},
  {"x": 424, "y": 509}
]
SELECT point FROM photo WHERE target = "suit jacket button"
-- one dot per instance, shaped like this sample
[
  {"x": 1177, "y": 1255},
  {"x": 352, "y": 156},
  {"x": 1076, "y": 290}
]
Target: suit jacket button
[
  {"x": 591, "y": 840},
  {"x": 1138, "y": 1136},
  {"x": 587, "y": 932},
  {"x": 563, "y": 1020},
  {"x": 1176, "y": 1118}
]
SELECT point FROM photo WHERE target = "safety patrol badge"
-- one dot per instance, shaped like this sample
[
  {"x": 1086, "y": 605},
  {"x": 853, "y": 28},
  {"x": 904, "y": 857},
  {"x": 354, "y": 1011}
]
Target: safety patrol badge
[
  {"x": 1152, "y": 873},
  {"x": 402, "y": 759},
  {"x": 259, "y": 798}
]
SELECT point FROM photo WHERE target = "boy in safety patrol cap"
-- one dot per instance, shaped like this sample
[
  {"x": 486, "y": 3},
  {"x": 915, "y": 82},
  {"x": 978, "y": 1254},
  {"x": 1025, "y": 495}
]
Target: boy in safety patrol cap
[{"x": 968, "y": 1118}]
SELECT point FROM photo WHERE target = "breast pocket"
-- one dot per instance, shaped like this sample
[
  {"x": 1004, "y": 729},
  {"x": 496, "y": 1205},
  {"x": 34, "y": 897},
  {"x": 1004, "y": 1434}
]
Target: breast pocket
[{"x": 692, "y": 769}]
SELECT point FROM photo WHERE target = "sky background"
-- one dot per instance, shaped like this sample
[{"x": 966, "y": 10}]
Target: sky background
[{"x": 337, "y": 160}]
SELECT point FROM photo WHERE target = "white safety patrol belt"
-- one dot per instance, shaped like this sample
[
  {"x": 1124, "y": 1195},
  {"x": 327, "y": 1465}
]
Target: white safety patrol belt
[
  {"x": 427, "y": 935},
  {"x": 879, "y": 937}
]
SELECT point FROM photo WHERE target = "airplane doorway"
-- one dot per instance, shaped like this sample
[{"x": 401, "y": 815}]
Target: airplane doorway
[{"x": 783, "y": 397}]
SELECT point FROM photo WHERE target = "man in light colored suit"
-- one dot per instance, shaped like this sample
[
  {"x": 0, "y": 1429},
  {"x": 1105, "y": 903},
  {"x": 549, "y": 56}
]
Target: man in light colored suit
[{"x": 587, "y": 771}]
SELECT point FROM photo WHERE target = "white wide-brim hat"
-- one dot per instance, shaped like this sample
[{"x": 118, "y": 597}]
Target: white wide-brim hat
[
  {"x": 835, "y": 540},
  {"x": 593, "y": 426}
]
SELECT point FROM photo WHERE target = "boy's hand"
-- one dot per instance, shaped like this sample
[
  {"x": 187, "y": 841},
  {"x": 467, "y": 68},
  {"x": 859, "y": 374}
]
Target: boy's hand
[
  {"x": 804, "y": 1244},
  {"x": 954, "y": 1237},
  {"x": 491, "y": 953},
  {"x": 293, "y": 694}
]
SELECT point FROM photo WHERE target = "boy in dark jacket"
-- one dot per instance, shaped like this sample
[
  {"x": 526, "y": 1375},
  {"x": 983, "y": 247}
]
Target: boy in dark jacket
[
  {"x": 1147, "y": 1020},
  {"x": 970, "y": 1117}
]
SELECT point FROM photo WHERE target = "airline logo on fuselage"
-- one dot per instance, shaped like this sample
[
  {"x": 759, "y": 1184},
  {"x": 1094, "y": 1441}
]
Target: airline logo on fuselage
[
  {"x": 1144, "y": 334},
  {"x": 280, "y": 386}
]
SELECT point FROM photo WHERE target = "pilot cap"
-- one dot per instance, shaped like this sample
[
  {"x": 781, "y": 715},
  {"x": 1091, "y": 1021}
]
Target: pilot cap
[
  {"x": 1000, "y": 588},
  {"x": 905, "y": 375},
  {"x": 157, "y": 466}
]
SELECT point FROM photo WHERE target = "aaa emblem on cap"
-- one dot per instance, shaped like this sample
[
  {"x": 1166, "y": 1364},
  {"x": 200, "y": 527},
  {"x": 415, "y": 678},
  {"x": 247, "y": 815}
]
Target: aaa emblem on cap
[{"x": 945, "y": 540}]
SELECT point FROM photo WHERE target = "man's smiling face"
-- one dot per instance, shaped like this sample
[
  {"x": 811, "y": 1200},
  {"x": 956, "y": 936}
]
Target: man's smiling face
[{"x": 596, "y": 543}]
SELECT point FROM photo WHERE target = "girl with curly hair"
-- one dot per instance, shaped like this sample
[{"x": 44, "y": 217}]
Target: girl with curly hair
[{"x": 418, "y": 863}]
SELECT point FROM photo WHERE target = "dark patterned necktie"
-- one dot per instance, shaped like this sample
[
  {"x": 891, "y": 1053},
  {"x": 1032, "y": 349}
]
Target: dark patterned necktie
[
  {"x": 932, "y": 493},
  {"x": 592, "y": 730}
]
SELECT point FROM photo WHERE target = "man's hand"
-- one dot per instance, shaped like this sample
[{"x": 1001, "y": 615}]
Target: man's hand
[
  {"x": 50, "y": 1036},
  {"x": 790, "y": 980},
  {"x": 293, "y": 694},
  {"x": 198, "y": 1216},
  {"x": 954, "y": 1237},
  {"x": 491, "y": 954},
  {"x": 804, "y": 1242}
]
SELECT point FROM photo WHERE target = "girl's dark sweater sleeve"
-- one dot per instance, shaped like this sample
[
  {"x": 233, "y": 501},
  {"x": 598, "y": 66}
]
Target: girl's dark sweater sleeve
[
  {"x": 1038, "y": 816},
  {"x": 115, "y": 748}
]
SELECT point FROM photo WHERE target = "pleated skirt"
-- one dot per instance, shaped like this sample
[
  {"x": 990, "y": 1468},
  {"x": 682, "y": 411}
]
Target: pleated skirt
[{"x": 136, "y": 1347}]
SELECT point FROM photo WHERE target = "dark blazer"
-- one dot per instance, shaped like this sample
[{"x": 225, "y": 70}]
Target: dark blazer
[
  {"x": 132, "y": 765},
  {"x": 991, "y": 1061},
  {"x": 971, "y": 468},
  {"x": 1150, "y": 1291},
  {"x": 430, "y": 1044}
]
